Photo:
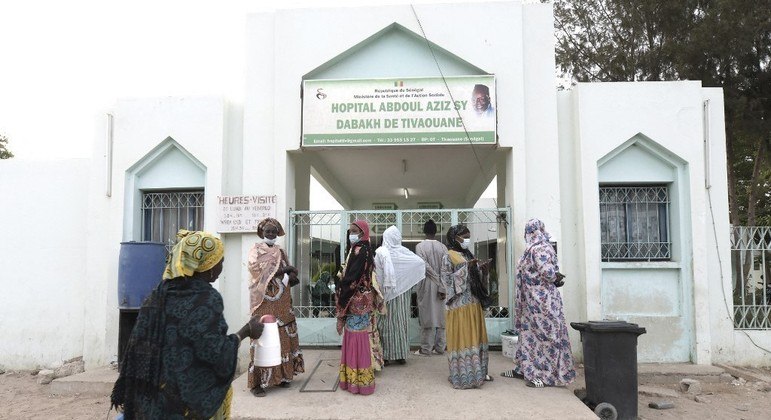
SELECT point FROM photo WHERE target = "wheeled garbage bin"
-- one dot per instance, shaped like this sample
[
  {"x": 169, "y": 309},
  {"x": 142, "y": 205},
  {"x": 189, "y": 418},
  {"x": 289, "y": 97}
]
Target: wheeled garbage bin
[{"x": 610, "y": 367}]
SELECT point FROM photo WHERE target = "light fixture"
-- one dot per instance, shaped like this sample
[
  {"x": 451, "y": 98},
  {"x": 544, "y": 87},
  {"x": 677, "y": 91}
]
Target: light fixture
[{"x": 406, "y": 194}]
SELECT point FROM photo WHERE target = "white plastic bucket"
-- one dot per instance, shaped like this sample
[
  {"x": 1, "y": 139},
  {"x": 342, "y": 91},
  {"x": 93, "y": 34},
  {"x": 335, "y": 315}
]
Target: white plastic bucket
[
  {"x": 267, "y": 349},
  {"x": 509, "y": 345}
]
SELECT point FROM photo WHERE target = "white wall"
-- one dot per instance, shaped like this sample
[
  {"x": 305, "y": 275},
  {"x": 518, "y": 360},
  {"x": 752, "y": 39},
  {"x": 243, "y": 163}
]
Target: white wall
[
  {"x": 141, "y": 126},
  {"x": 43, "y": 206},
  {"x": 605, "y": 116}
]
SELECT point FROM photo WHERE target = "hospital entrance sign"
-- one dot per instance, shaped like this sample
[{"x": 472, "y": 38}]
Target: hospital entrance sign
[{"x": 399, "y": 111}]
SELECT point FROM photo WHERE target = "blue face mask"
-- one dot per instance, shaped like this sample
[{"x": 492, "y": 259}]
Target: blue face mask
[{"x": 353, "y": 238}]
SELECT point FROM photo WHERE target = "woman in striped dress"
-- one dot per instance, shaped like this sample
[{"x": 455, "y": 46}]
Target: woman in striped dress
[
  {"x": 397, "y": 269},
  {"x": 464, "y": 279}
]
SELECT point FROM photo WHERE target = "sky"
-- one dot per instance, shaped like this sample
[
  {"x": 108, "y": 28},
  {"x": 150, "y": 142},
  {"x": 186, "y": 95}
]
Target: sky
[{"x": 63, "y": 64}]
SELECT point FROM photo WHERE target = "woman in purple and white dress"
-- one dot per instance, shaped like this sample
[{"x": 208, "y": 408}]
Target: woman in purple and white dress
[{"x": 544, "y": 357}]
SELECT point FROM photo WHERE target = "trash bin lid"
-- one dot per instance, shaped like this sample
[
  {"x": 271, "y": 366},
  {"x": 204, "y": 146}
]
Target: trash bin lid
[{"x": 608, "y": 326}]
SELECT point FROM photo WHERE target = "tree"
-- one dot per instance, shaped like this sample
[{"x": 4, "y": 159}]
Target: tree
[
  {"x": 723, "y": 43},
  {"x": 4, "y": 152}
]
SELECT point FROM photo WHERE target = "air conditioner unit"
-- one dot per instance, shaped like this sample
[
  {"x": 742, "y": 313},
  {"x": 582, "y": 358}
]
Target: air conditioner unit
[
  {"x": 430, "y": 205},
  {"x": 384, "y": 206}
]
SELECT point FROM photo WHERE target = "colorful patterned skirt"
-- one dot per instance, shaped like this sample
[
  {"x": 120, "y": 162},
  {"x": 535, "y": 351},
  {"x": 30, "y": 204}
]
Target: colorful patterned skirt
[
  {"x": 467, "y": 346},
  {"x": 357, "y": 375}
]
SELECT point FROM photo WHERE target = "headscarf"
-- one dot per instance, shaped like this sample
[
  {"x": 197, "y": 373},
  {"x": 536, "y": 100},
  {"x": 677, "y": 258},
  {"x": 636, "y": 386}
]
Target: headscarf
[
  {"x": 264, "y": 262},
  {"x": 535, "y": 232},
  {"x": 269, "y": 221},
  {"x": 358, "y": 269},
  {"x": 478, "y": 288},
  {"x": 364, "y": 226},
  {"x": 402, "y": 269},
  {"x": 164, "y": 373},
  {"x": 194, "y": 252}
]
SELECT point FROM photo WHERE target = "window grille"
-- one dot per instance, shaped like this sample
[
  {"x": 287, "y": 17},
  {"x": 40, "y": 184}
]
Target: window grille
[
  {"x": 164, "y": 213},
  {"x": 634, "y": 223}
]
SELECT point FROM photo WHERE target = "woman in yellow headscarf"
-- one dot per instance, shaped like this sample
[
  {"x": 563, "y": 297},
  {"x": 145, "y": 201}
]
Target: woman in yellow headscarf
[{"x": 180, "y": 360}]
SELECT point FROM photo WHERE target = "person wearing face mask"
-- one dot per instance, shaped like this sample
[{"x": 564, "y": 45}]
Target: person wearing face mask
[
  {"x": 356, "y": 300},
  {"x": 463, "y": 277},
  {"x": 397, "y": 269},
  {"x": 269, "y": 294}
]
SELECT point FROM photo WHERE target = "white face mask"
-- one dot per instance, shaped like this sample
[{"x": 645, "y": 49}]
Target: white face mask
[
  {"x": 466, "y": 243},
  {"x": 270, "y": 241},
  {"x": 353, "y": 238}
]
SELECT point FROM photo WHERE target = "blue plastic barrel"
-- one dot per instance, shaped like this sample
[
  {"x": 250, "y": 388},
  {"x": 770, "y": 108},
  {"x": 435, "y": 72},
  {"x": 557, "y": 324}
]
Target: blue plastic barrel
[{"x": 140, "y": 268}]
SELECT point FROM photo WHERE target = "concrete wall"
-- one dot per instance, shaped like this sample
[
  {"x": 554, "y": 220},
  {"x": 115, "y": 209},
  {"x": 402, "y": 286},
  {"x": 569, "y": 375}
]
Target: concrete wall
[
  {"x": 199, "y": 129},
  {"x": 604, "y": 117},
  {"x": 43, "y": 208}
]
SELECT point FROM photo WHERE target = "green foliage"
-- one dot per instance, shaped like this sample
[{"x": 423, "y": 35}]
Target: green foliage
[
  {"x": 722, "y": 43},
  {"x": 4, "y": 152}
]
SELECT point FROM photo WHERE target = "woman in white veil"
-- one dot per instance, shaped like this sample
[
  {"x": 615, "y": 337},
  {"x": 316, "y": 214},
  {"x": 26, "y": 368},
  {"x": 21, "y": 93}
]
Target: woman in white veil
[{"x": 397, "y": 269}]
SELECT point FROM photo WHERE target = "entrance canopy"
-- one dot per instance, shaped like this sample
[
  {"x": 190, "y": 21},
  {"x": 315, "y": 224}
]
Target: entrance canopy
[{"x": 454, "y": 176}]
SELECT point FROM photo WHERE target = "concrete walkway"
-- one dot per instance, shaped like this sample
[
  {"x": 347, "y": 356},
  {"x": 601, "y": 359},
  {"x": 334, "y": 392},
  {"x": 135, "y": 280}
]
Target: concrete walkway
[{"x": 418, "y": 389}]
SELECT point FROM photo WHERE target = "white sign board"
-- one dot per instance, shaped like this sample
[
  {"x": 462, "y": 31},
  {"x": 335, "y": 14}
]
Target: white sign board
[
  {"x": 399, "y": 111},
  {"x": 242, "y": 213}
]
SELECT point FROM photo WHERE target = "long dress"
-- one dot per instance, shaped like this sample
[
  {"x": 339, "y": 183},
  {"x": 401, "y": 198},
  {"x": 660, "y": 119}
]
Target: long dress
[
  {"x": 467, "y": 348},
  {"x": 393, "y": 328},
  {"x": 355, "y": 304},
  {"x": 277, "y": 301},
  {"x": 430, "y": 307},
  {"x": 399, "y": 270},
  {"x": 179, "y": 361},
  {"x": 544, "y": 348}
]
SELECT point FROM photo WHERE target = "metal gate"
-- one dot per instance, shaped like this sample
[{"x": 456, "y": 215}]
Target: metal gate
[{"x": 314, "y": 240}]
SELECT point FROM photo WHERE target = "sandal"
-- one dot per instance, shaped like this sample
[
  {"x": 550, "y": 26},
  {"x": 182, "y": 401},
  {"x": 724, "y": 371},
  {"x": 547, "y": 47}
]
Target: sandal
[
  {"x": 489, "y": 378},
  {"x": 285, "y": 384},
  {"x": 536, "y": 383},
  {"x": 258, "y": 392},
  {"x": 512, "y": 374}
]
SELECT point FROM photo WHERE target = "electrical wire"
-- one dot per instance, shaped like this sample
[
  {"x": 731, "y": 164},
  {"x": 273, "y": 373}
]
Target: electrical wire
[
  {"x": 447, "y": 87},
  {"x": 729, "y": 315}
]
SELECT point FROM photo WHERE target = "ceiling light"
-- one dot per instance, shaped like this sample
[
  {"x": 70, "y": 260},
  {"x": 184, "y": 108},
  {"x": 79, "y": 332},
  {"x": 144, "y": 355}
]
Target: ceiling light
[{"x": 406, "y": 194}]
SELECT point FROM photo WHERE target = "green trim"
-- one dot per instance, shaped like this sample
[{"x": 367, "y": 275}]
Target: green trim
[{"x": 379, "y": 139}]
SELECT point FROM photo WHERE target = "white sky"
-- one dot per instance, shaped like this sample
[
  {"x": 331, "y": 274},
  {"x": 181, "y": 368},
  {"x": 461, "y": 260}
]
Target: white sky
[{"x": 62, "y": 63}]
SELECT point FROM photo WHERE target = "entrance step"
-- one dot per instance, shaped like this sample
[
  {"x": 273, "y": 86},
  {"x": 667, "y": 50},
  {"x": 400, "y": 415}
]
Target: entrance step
[
  {"x": 94, "y": 382},
  {"x": 672, "y": 373}
]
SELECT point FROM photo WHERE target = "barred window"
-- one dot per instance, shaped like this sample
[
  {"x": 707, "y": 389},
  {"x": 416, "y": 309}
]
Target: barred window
[
  {"x": 634, "y": 223},
  {"x": 165, "y": 212}
]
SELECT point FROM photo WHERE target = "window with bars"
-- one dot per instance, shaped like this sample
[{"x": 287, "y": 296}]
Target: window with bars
[
  {"x": 634, "y": 223},
  {"x": 165, "y": 212}
]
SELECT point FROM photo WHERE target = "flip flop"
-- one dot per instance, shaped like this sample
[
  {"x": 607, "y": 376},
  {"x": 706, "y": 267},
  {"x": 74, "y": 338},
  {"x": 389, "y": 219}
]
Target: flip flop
[
  {"x": 489, "y": 378},
  {"x": 536, "y": 383},
  {"x": 512, "y": 374}
]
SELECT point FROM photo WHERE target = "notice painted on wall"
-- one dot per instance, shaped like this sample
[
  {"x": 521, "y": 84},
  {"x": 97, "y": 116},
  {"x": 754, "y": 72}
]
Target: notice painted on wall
[
  {"x": 372, "y": 112},
  {"x": 242, "y": 213}
]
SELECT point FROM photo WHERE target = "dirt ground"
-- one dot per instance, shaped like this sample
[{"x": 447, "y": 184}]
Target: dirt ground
[
  {"x": 21, "y": 397},
  {"x": 719, "y": 400}
]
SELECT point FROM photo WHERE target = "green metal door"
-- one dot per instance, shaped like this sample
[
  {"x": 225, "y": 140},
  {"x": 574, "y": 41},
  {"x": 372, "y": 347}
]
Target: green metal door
[{"x": 314, "y": 248}]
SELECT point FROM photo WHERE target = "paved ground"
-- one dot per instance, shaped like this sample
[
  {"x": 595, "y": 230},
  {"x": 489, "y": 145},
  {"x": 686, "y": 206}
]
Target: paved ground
[{"x": 418, "y": 389}]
